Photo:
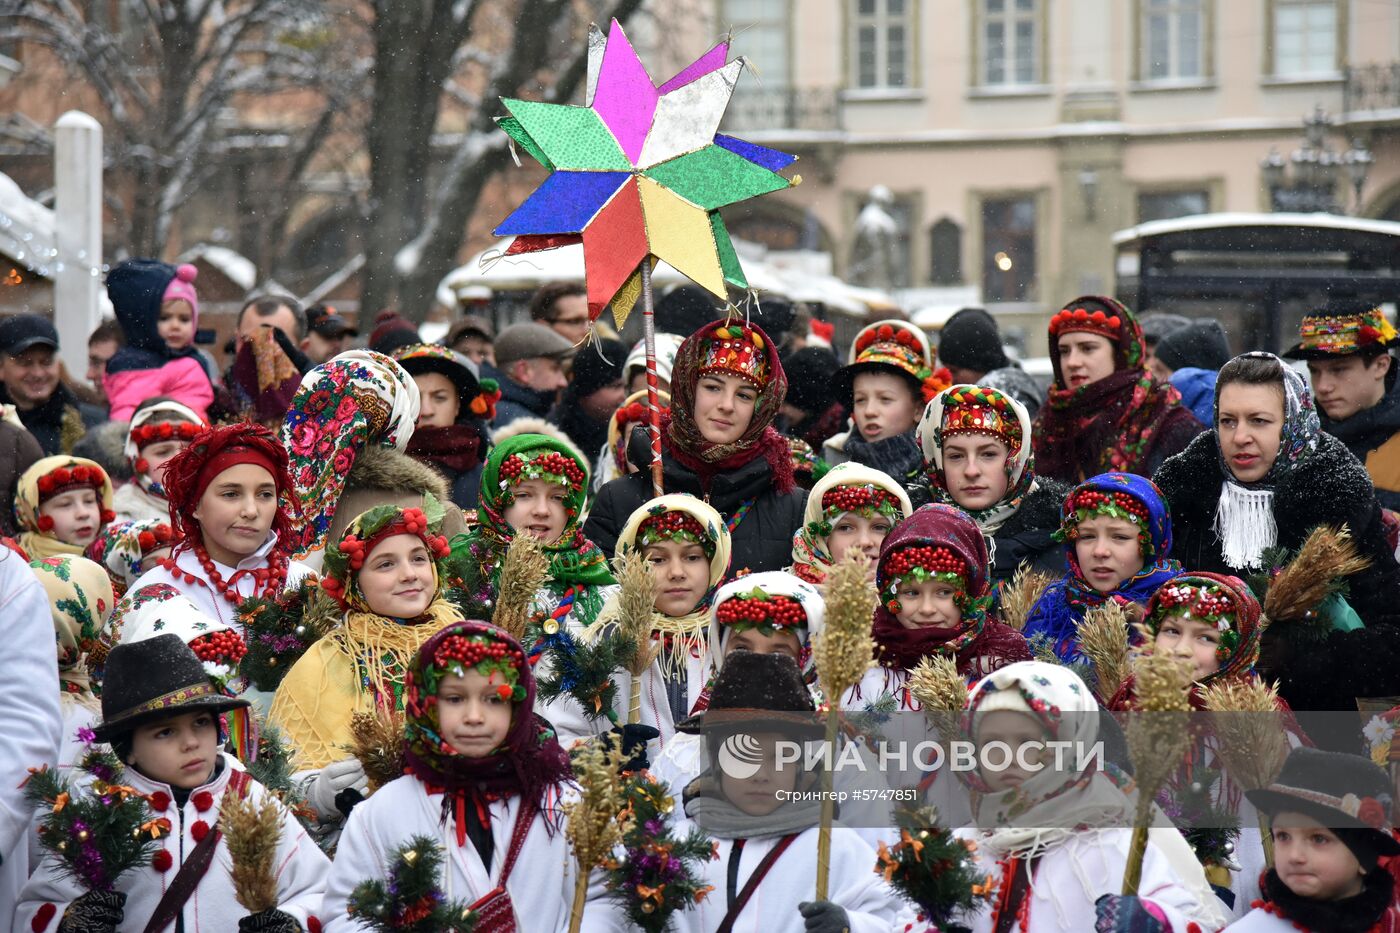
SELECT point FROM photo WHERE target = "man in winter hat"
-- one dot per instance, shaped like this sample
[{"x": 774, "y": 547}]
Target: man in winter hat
[
  {"x": 1188, "y": 358},
  {"x": 970, "y": 346}
]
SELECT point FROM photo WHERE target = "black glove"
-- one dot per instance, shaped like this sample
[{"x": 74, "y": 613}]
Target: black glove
[
  {"x": 345, "y": 800},
  {"x": 1127, "y": 913},
  {"x": 635, "y": 737},
  {"x": 269, "y": 921},
  {"x": 94, "y": 912},
  {"x": 824, "y": 917},
  {"x": 301, "y": 361}
]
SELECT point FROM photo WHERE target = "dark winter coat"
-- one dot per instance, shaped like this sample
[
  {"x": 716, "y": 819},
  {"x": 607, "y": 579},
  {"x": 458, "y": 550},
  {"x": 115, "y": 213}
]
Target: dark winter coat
[
  {"x": 761, "y": 541},
  {"x": 1373, "y": 437},
  {"x": 59, "y": 422},
  {"x": 1330, "y": 487},
  {"x": 18, "y": 452},
  {"x": 521, "y": 401},
  {"x": 1027, "y": 536}
]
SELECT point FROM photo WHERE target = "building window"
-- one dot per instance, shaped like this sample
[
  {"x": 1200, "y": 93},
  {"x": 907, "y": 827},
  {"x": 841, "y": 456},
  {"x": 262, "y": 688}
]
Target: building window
[
  {"x": 1010, "y": 42},
  {"x": 1164, "y": 205},
  {"x": 1306, "y": 38},
  {"x": 882, "y": 33},
  {"x": 1008, "y": 249},
  {"x": 761, "y": 33},
  {"x": 945, "y": 253},
  {"x": 1173, "y": 40}
]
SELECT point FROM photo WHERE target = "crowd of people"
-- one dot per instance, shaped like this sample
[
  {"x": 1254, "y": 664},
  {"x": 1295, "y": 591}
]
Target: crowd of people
[{"x": 155, "y": 521}]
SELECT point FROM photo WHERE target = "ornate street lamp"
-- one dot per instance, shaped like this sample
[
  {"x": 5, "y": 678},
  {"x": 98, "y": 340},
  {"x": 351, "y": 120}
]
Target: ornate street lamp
[{"x": 1311, "y": 183}]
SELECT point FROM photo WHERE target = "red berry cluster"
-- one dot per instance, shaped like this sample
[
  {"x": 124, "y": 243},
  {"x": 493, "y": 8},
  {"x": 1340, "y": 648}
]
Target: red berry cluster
[
  {"x": 548, "y": 464},
  {"x": 470, "y": 652},
  {"x": 670, "y": 525},
  {"x": 222, "y": 647},
  {"x": 930, "y": 558},
  {"x": 886, "y": 333},
  {"x": 164, "y": 431},
  {"x": 751, "y": 611},
  {"x": 1094, "y": 500},
  {"x": 840, "y": 499},
  {"x": 1080, "y": 319},
  {"x": 160, "y": 536},
  {"x": 1201, "y": 602},
  {"x": 56, "y": 481}
]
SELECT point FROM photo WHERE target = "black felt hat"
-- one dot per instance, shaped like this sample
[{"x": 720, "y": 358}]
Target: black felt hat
[
  {"x": 1338, "y": 790},
  {"x": 157, "y": 677},
  {"x": 758, "y": 693}
]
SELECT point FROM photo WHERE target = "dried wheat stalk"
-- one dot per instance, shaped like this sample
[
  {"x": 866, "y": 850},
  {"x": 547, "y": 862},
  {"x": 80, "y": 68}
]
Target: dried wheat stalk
[
  {"x": 523, "y": 574},
  {"x": 1020, "y": 594},
  {"x": 252, "y": 830},
  {"x": 378, "y": 744}
]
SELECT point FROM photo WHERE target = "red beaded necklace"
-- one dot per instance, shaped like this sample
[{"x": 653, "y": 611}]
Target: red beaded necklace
[{"x": 267, "y": 580}]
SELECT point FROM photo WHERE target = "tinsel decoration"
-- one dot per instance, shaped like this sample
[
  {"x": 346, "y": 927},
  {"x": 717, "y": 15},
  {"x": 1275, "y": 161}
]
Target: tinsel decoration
[
  {"x": 931, "y": 868},
  {"x": 1157, "y": 741},
  {"x": 1318, "y": 570},
  {"x": 1103, "y": 639},
  {"x": 273, "y": 770},
  {"x": 278, "y": 630},
  {"x": 100, "y": 833},
  {"x": 1017, "y": 596},
  {"x": 842, "y": 653},
  {"x": 940, "y": 690},
  {"x": 252, "y": 831},
  {"x": 410, "y": 901},
  {"x": 1211, "y": 829},
  {"x": 1250, "y": 737},
  {"x": 580, "y": 667},
  {"x": 657, "y": 874},
  {"x": 636, "y": 602},
  {"x": 378, "y": 744},
  {"x": 592, "y": 818},
  {"x": 524, "y": 573}
]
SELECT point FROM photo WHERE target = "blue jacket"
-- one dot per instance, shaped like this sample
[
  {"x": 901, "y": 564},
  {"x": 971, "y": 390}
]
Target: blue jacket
[{"x": 1197, "y": 388}]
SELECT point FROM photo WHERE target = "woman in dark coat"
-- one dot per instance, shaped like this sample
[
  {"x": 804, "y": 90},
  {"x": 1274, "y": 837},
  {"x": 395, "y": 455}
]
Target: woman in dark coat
[
  {"x": 1266, "y": 477},
  {"x": 1105, "y": 412},
  {"x": 719, "y": 444},
  {"x": 977, "y": 456}
]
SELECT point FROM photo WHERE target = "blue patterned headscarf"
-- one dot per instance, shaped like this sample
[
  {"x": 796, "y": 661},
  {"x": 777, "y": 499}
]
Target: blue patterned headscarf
[{"x": 1057, "y": 613}]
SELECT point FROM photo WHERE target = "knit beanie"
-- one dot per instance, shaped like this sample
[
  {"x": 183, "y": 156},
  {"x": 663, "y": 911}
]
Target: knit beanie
[
  {"x": 392, "y": 331},
  {"x": 970, "y": 340},
  {"x": 1158, "y": 324},
  {"x": 1201, "y": 344},
  {"x": 685, "y": 310},
  {"x": 596, "y": 366},
  {"x": 138, "y": 287},
  {"x": 809, "y": 379}
]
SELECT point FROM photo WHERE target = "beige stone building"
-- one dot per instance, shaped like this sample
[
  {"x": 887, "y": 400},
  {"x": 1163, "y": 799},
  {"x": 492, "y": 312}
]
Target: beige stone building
[{"x": 1018, "y": 135}]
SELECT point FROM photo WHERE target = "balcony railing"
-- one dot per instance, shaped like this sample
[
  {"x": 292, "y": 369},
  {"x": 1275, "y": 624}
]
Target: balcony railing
[
  {"x": 784, "y": 109},
  {"x": 1372, "y": 87}
]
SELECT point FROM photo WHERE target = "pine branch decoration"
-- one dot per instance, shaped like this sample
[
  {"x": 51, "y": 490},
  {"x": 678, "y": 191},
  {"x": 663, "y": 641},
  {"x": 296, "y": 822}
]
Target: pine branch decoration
[
  {"x": 252, "y": 831},
  {"x": 411, "y": 901},
  {"x": 932, "y": 869},
  {"x": 1103, "y": 639},
  {"x": 583, "y": 668},
  {"x": 1320, "y": 568},
  {"x": 378, "y": 744},
  {"x": 658, "y": 873},
  {"x": 279, "y": 629},
  {"x": 1020, "y": 594},
  {"x": 524, "y": 573},
  {"x": 844, "y": 650}
]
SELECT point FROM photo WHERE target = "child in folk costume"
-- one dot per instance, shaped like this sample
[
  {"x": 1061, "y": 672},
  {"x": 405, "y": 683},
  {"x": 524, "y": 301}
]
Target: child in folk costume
[
  {"x": 129, "y": 549},
  {"x": 686, "y": 547},
  {"x": 1117, "y": 529},
  {"x": 61, "y": 505},
  {"x": 851, "y": 506},
  {"x": 485, "y": 779},
  {"x": 160, "y": 713},
  {"x": 537, "y": 485},
  {"x": 765, "y": 823},
  {"x": 229, "y": 494},
  {"x": 160, "y": 428},
  {"x": 80, "y": 597},
  {"x": 386, "y": 573},
  {"x": 1055, "y": 840},
  {"x": 935, "y": 598},
  {"x": 1331, "y": 816},
  {"x": 977, "y": 456}
]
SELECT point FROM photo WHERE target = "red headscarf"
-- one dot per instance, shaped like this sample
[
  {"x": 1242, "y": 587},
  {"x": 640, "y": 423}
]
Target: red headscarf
[{"x": 214, "y": 450}]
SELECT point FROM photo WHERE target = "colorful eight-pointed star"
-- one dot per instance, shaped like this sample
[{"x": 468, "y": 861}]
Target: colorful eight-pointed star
[{"x": 638, "y": 173}]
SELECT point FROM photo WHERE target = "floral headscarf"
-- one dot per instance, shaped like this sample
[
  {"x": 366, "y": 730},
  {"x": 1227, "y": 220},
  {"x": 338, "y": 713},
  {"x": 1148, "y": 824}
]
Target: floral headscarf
[
  {"x": 358, "y": 399},
  {"x": 1302, "y": 430},
  {"x": 573, "y": 559},
  {"x": 1056, "y": 615},
  {"x": 1221, "y": 600},
  {"x": 166, "y": 420},
  {"x": 811, "y": 555},
  {"x": 529, "y": 762},
  {"x": 80, "y": 597},
  {"x": 746, "y": 351},
  {"x": 49, "y": 477},
  {"x": 970, "y": 409},
  {"x": 939, "y": 542},
  {"x": 1110, "y": 424},
  {"x": 122, "y": 546}
]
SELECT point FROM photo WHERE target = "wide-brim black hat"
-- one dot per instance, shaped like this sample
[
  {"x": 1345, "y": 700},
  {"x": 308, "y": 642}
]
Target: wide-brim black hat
[
  {"x": 758, "y": 693},
  {"x": 157, "y": 677},
  {"x": 422, "y": 358},
  {"x": 1338, "y": 790}
]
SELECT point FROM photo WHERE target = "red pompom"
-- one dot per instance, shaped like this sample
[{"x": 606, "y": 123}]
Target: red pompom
[
  {"x": 1371, "y": 812},
  {"x": 142, "y": 465},
  {"x": 46, "y": 523},
  {"x": 146, "y": 540},
  {"x": 46, "y": 484},
  {"x": 313, "y": 925},
  {"x": 186, "y": 272},
  {"x": 199, "y": 830},
  {"x": 162, "y": 861},
  {"x": 108, "y": 516},
  {"x": 42, "y": 918},
  {"x": 202, "y": 801},
  {"x": 160, "y": 801}
]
